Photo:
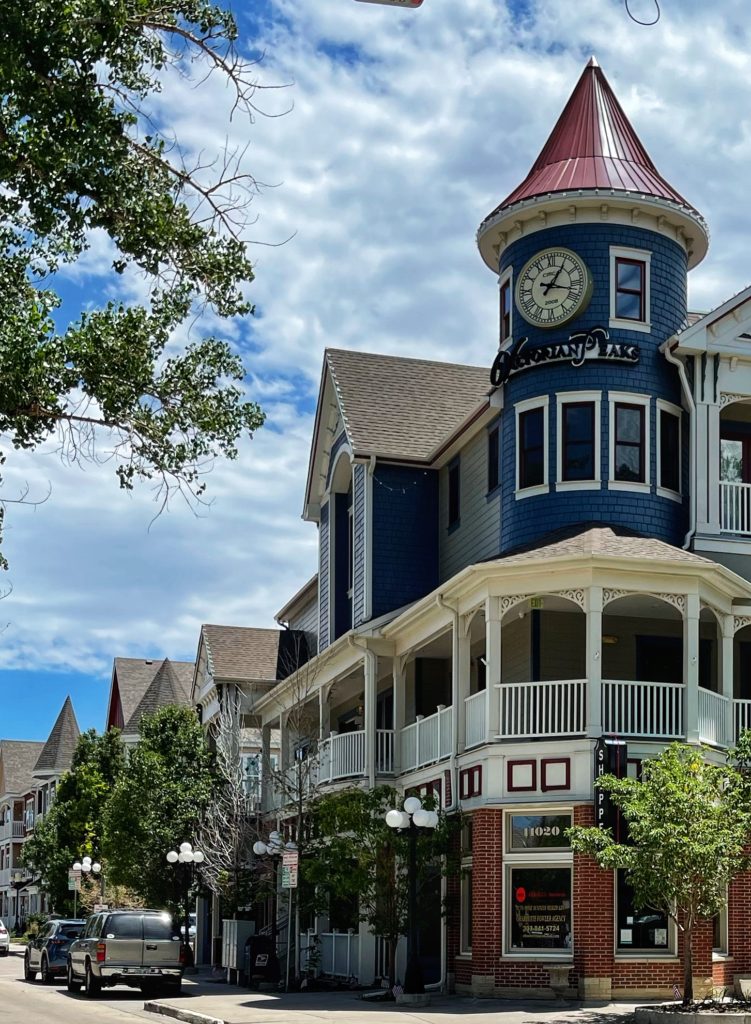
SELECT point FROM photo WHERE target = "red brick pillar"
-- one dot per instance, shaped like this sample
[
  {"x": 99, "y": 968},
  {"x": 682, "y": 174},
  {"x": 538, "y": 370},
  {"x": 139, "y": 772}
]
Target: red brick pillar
[
  {"x": 739, "y": 933},
  {"x": 453, "y": 913},
  {"x": 702, "y": 959},
  {"x": 487, "y": 880},
  {"x": 594, "y": 897}
]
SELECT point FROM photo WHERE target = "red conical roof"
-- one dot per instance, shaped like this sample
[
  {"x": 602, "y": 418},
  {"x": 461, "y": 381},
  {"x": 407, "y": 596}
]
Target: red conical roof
[{"x": 593, "y": 146}]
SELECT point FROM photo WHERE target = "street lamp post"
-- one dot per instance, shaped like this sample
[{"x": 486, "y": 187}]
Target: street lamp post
[
  {"x": 274, "y": 848},
  {"x": 413, "y": 821},
  {"x": 188, "y": 858},
  {"x": 19, "y": 880},
  {"x": 88, "y": 867}
]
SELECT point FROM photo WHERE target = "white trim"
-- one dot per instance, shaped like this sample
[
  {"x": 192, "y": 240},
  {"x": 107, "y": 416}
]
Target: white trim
[
  {"x": 627, "y": 398},
  {"x": 368, "y": 568},
  {"x": 641, "y": 256},
  {"x": 674, "y": 410},
  {"x": 566, "y": 398},
  {"x": 507, "y": 275},
  {"x": 527, "y": 405}
]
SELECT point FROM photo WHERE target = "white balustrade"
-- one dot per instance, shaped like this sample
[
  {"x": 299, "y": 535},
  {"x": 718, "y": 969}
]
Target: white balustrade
[
  {"x": 741, "y": 716},
  {"x": 428, "y": 739},
  {"x": 651, "y": 710},
  {"x": 735, "y": 507},
  {"x": 713, "y": 718},
  {"x": 12, "y": 830},
  {"x": 474, "y": 718},
  {"x": 556, "y": 708},
  {"x": 384, "y": 751},
  {"x": 4, "y": 878}
]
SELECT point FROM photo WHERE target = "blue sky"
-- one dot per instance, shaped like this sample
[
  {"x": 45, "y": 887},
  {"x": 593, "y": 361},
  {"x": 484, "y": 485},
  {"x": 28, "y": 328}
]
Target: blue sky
[{"x": 405, "y": 129}]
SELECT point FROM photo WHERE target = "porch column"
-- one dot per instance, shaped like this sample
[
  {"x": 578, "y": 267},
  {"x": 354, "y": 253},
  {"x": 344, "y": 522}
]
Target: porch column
[
  {"x": 691, "y": 667},
  {"x": 324, "y": 712},
  {"x": 266, "y": 783},
  {"x": 727, "y": 625},
  {"x": 594, "y": 662},
  {"x": 713, "y": 467},
  {"x": 460, "y": 670},
  {"x": 702, "y": 493},
  {"x": 284, "y": 761},
  {"x": 400, "y": 706},
  {"x": 492, "y": 668},
  {"x": 371, "y": 685}
]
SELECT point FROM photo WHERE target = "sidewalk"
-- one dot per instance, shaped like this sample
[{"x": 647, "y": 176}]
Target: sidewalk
[{"x": 207, "y": 1003}]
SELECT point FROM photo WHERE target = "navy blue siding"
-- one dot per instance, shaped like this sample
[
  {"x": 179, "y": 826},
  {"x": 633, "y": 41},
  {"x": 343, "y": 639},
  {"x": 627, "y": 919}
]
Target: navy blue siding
[
  {"x": 526, "y": 520},
  {"x": 360, "y": 555},
  {"x": 405, "y": 536},
  {"x": 341, "y": 601},
  {"x": 323, "y": 579}
]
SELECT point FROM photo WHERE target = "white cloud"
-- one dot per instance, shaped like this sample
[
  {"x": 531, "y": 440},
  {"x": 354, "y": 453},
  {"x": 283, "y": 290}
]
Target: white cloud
[{"x": 407, "y": 128}]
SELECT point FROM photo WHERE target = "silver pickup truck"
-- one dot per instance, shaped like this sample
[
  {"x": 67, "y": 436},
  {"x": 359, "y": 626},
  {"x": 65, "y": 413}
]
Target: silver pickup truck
[{"x": 139, "y": 948}]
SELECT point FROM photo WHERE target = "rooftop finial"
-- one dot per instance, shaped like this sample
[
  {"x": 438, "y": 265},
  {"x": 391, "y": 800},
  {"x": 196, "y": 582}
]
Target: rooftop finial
[{"x": 593, "y": 62}]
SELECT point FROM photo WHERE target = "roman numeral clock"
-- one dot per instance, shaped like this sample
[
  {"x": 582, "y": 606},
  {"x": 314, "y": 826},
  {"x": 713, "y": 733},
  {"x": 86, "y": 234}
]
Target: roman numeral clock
[{"x": 554, "y": 287}]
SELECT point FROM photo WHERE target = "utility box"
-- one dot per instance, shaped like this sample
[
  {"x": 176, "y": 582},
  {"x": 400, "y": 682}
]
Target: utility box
[{"x": 234, "y": 936}]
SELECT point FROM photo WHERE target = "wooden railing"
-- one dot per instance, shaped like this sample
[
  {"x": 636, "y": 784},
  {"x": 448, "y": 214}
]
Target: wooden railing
[
  {"x": 714, "y": 724},
  {"x": 474, "y": 718},
  {"x": 741, "y": 716},
  {"x": 649, "y": 710},
  {"x": 12, "y": 830},
  {"x": 735, "y": 507},
  {"x": 428, "y": 739},
  {"x": 556, "y": 708},
  {"x": 342, "y": 755}
]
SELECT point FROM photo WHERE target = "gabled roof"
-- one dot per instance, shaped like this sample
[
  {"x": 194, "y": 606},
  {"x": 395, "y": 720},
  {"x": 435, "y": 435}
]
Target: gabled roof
[
  {"x": 401, "y": 408},
  {"x": 704, "y": 330},
  {"x": 305, "y": 596},
  {"x": 131, "y": 678},
  {"x": 167, "y": 687},
  {"x": 17, "y": 760},
  {"x": 57, "y": 753},
  {"x": 244, "y": 653}
]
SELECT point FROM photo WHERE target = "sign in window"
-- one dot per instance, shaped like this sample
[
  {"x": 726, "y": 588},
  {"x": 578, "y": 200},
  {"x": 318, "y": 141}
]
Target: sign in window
[{"x": 540, "y": 905}]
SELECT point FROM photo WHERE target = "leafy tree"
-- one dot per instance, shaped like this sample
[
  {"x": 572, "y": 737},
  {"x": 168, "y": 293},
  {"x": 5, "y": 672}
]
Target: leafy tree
[
  {"x": 353, "y": 854},
  {"x": 73, "y": 826},
  {"x": 157, "y": 804},
  {"x": 83, "y": 149},
  {"x": 689, "y": 823}
]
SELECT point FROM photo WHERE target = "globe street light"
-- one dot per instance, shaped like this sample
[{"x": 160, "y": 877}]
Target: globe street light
[
  {"x": 19, "y": 880},
  {"x": 413, "y": 820},
  {"x": 188, "y": 858},
  {"x": 274, "y": 848}
]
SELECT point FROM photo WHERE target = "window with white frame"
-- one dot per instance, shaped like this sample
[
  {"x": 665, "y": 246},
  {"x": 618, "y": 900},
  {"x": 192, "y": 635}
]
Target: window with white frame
[
  {"x": 640, "y": 930},
  {"x": 629, "y": 288},
  {"x": 465, "y": 925},
  {"x": 629, "y": 432},
  {"x": 537, "y": 882},
  {"x": 720, "y": 932},
  {"x": 668, "y": 449},
  {"x": 578, "y": 448},
  {"x": 505, "y": 303},
  {"x": 531, "y": 447}
]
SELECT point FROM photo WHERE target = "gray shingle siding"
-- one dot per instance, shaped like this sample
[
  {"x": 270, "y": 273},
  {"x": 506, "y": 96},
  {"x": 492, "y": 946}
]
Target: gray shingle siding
[
  {"x": 359, "y": 546},
  {"x": 323, "y": 579},
  {"x": 477, "y": 535}
]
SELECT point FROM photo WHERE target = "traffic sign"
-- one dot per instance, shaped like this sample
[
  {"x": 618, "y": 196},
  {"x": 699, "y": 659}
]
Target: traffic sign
[
  {"x": 290, "y": 863},
  {"x": 74, "y": 880}
]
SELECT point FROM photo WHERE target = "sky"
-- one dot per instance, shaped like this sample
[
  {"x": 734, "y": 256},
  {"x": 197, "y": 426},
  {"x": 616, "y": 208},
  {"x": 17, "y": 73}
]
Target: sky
[{"x": 402, "y": 129}]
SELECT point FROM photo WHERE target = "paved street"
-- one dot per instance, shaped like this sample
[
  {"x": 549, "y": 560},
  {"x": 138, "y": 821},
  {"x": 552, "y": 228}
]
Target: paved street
[{"x": 22, "y": 1002}]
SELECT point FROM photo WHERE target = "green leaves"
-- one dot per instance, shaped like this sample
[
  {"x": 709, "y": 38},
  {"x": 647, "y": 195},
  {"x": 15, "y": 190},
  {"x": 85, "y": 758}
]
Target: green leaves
[{"x": 83, "y": 148}]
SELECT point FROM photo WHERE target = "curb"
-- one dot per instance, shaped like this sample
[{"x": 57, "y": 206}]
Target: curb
[
  {"x": 178, "y": 1013},
  {"x": 656, "y": 1015}
]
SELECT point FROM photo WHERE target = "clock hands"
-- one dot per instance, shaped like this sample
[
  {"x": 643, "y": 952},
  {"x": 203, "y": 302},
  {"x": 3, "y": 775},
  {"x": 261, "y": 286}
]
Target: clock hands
[{"x": 551, "y": 283}]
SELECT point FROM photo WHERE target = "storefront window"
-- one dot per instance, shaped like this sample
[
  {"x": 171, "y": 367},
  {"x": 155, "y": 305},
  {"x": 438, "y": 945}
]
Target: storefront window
[
  {"x": 644, "y": 930},
  {"x": 540, "y": 908},
  {"x": 538, "y": 831}
]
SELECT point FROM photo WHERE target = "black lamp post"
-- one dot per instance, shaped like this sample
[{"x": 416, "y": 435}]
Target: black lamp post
[
  {"x": 19, "y": 880},
  {"x": 412, "y": 821},
  {"x": 187, "y": 857}
]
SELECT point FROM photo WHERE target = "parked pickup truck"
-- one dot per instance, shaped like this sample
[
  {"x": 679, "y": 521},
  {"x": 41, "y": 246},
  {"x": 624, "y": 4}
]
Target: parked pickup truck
[{"x": 139, "y": 948}]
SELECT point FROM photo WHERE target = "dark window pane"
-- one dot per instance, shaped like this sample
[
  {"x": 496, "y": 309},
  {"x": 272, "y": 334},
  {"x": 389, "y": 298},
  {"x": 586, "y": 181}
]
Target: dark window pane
[
  {"x": 579, "y": 441},
  {"x": 627, "y": 463},
  {"x": 580, "y": 463},
  {"x": 670, "y": 470},
  {"x": 629, "y": 421},
  {"x": 159, "y": 927},
  {"x": 505, "y": 310},
  {"x": 540, "y": 905},
  {"x": 493, "y": 459},
  {"x": 533, "y": 469},
  {"x": 643, "y": 928},
  {"x": 71, "y": 931},
  {"x": 532, "y": 428},
  {"x": 628, "y": 306},
  {"x": 124, "y": 926},
  {"x": 630, "y": 275},
  {"x": 453, "y": 498},
  {"x": 579, "y": 419},
  {"x": 532, "y": 448}
]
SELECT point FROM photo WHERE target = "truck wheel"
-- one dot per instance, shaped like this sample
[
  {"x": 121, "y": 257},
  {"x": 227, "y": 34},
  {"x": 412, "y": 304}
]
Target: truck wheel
[
  {"x": 92, "y": 986},
  {"x": 47, "y": 977},
  {"x": 71, "y": 983}
]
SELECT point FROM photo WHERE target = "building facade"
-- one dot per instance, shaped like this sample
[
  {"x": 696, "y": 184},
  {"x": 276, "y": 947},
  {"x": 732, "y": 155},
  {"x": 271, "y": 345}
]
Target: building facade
[{"x": 527, "y": 564}]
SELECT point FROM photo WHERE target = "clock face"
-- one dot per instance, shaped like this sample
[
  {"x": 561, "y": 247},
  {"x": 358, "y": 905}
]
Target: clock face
[{"x": 553, "y": 288}]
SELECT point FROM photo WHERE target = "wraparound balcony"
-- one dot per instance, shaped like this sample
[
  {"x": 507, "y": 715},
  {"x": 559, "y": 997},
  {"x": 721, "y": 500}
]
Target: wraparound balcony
[
  {"x": 428, "y": 739},
  {"x": 342, "y": 755},
  {"x": 12, "y": 830}
]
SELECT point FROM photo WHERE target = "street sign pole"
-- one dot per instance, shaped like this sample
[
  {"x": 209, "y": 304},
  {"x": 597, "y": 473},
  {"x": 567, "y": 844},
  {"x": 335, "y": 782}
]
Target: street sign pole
[{"x": 290, "y": 861}]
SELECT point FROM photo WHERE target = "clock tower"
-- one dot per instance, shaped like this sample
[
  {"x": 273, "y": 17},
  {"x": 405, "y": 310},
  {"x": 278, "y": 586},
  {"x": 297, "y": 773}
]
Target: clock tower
[{"x": 592, "y": 250}]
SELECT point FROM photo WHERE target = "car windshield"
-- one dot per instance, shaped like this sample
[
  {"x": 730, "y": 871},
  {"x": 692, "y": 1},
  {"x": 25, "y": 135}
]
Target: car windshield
[{"x": 70, "y": 931}]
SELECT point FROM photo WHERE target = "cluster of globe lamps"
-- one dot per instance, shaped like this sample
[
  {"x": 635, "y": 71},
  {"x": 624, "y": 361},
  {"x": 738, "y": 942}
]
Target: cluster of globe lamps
[
  {"x": 413, "y": 813},
  {"x": 185, "y": 855},
  {"x": 86, "y": 866},
  {"x": 274, "y": 847}
]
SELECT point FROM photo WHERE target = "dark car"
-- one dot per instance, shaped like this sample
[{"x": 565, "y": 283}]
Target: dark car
[
  {"x": 47, "y": 953},
  {"x": 139, "y": 948}
]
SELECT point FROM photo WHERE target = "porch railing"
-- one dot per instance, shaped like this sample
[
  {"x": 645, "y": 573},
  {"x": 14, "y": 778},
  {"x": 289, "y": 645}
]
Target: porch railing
[
  {"x": 555, "y": 708},
  {"x": 428, "y": 739},
  {"x": 12, "y": 830},
  {"x": 384, "y": 751},
  {"x": 651, "y": 710},
  {"x": 713, "y": 718},
  {"x": 735, "y": 507},
  {"x": 343, "y": 755},
  {"x": 474, "y": 719},
  {"x": 741, "y": 716}
]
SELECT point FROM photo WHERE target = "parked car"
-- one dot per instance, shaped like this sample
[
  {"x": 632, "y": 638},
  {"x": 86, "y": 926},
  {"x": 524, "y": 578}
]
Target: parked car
[
  {"x": 4, "y": 940},
  {"x": 47, "y": 952},
  {"x": 139, "y": 948}
]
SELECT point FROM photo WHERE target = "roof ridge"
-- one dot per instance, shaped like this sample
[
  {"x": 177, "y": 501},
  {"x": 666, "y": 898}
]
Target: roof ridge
[{"x": 408, "y": 359}]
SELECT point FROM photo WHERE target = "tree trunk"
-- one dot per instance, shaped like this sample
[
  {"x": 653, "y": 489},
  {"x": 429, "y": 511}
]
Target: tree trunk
[{"x": 688, "y": 961}]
